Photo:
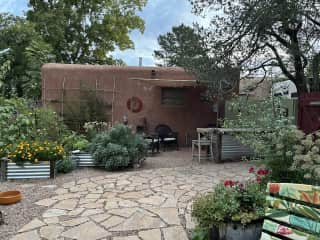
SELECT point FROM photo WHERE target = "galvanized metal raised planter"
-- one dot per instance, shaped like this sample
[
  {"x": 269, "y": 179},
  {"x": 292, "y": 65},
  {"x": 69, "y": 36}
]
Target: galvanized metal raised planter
[
  {"x": 43, "y": 170},
  {"x": 82, "y": 159}
]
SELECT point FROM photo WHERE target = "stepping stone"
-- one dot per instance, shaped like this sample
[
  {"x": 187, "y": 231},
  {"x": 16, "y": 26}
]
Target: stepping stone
[
  {"x": 174, "y": 233},
  {"x": 126, "y": 238},
  {"x": 67, "y": 196},
  {"x": 93, "y": 195},
  {"x": 123, "y": 182},
  {"x": 139, "y": 221},
  {"x": 100, "y": 217},
  {"x": 54, "y": 213},
  {"x": 113, "y": 221},
  {"x": 131, "y": 195},
  {"x": 154, "y": 234},
  {"x": 111, "y": 204},
  {"x": 92, "y": 205},
  {"x": 51, "y": 220},
  {"x": 86, "y": 231},
  {"x": 61, "y": 191},
  {"x": 171, "y": 202},
  {"x": 69, "y": 204},
  {"x": 90, "y": 212},
  {"x": 76, "y": 211},
  {"x": 46, "y": 202},
  {"x": 123, "y": 212},
  {"x": 127, "y": 204},
  {"x": 51, "y": 232},
  {"x": 169, "y": 215},
  {"x": 27, "y": 236},
  {"x": 153, "y": 200},
  {"x": 75, "y": 222},
  {"x": 35, "y": 223}
]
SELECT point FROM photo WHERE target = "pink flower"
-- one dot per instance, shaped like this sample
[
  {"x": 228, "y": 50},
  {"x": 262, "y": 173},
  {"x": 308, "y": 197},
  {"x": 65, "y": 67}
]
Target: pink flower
[
  {"x": 282, "y": 230},
  {"x": 259, "y": 179},
  {"x": 251, "y": 170}
]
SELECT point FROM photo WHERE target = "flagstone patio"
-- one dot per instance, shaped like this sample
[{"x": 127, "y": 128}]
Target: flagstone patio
[{"x": 145, "y": 205}]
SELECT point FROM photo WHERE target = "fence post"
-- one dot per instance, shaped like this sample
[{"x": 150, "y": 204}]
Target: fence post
[
  {"x": 53, "y": 169},
  {"x": 3, "y": 169},
  {"x": 218, "y": 148}
]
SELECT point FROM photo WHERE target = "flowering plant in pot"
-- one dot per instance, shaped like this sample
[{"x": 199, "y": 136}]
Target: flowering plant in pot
[{"x": 233, "y": 210}]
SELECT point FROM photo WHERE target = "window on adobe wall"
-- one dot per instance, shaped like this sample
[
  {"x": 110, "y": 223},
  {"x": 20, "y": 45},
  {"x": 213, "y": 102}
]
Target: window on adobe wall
[{"x": 173, "y": 96}]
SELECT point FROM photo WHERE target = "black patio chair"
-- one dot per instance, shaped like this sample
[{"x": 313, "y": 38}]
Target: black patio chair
[
  {"x": 167, "y": 136},
  {"x": 152, "y": 139}
]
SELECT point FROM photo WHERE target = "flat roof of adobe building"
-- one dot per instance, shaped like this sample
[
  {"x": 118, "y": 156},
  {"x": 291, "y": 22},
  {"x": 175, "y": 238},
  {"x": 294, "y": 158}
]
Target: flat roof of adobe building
[{"x": 112, "y": 68}]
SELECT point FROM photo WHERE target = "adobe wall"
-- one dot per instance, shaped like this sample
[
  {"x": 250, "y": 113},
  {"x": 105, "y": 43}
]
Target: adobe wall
[{"x": 183, "y": 119}]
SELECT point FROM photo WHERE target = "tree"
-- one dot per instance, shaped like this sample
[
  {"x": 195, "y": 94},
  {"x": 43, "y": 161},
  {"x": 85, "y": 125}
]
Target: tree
[
  {"x": 21, "y": 67},
  {"x": 186, "y": 47},
  {"x": 86, "y": 31},
  {"x": 179, "y": 46},
  {"x": 257, "y": 35}
]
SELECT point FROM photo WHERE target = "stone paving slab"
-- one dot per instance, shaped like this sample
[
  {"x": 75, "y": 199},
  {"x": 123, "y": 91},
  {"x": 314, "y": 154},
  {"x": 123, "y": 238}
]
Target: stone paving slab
[{"x": 142, "y": 205}]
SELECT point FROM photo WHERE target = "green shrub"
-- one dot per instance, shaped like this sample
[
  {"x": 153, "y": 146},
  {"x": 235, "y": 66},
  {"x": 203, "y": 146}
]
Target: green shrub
[
  {"x": 112, "y": 157},
  {"x": 273, "y": 137},
  {"x": 118, "y": 148},
  {"x": 66, "y": 166},
  {"x": 74, "y": 141}
]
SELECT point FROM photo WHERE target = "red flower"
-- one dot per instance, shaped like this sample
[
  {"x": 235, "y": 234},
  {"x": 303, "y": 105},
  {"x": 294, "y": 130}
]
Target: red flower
[
  {"x": 229, "y": 183},
  {"x": 259, "y": 179},
  {"x": 251, "y": 170},
  {"x": 263, "y": 172}
]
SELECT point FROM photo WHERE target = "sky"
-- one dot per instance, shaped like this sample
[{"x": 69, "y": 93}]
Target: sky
[{"x": 159, "y": 16}]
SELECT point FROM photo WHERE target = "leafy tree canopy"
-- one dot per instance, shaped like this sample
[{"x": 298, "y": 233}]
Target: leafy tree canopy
[
  {"x": 26, "y": 52},
  {"x": 180, "y": 46},
  {"x": 86, "y": 31},
  {"x": 261, "y": 34}
]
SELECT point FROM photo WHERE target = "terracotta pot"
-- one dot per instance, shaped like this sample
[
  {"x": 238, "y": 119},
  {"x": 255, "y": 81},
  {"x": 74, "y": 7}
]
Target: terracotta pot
[{"x": 10, "y": 197}]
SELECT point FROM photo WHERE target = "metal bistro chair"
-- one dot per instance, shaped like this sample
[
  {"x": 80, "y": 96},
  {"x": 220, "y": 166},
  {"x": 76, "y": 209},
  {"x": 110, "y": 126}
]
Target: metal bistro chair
[{"x": 205, "y": 141}]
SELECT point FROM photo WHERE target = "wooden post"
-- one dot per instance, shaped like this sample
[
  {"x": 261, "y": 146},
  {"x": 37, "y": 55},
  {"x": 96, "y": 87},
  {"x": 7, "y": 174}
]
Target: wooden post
[
  {"x": 3, "y": 169},
  {"x": 218, "y": 148},
  {"x": 53, "y": 169}
]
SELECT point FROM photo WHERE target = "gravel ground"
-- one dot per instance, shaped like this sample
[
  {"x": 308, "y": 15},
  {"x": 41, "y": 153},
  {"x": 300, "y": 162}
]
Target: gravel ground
[{"x": 34, "y": 190}]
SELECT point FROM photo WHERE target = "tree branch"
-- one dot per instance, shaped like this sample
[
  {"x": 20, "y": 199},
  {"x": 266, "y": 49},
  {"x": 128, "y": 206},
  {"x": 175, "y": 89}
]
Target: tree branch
[{"x": 281, "y": 63}]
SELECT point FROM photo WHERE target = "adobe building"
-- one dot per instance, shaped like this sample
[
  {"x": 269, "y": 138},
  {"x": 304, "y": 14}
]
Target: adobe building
[{"x": 143, "y": 96}]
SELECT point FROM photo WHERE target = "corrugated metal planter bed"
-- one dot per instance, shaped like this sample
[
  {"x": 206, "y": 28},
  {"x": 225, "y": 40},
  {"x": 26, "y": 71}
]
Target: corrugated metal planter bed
[
  {"x": 82, "y": 159},
  {"x": 42, "y": 170},
  {"x": 85, "y": 159}
]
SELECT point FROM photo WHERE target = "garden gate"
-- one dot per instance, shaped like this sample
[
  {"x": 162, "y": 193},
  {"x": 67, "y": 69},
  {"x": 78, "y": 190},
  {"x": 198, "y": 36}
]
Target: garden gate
[{"x": 309, "y": 112}]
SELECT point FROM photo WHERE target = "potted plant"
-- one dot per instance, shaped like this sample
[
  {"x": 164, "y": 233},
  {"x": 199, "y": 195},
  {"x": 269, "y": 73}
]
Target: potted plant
[{"x": 233, "y": 210}]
